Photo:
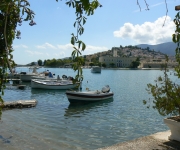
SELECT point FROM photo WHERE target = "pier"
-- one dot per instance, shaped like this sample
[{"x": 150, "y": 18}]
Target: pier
[
  {"x": 14, "y": 81},
  {"x": 19, "y": 104}
]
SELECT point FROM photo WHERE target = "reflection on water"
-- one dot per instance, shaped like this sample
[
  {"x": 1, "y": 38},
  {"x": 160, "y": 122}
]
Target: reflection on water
[{"x": 81, "y": 108}]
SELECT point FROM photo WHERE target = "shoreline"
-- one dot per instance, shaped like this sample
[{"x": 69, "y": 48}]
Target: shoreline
[{"x": 158, "y": 141}]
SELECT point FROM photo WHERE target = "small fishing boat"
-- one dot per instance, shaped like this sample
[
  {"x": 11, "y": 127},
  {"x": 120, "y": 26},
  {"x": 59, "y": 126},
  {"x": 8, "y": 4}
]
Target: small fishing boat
[
  {"x": 89, "y": 96},
  {"x": 44, "y": 76},
  {"x": 24, "y": 76},
  {"x": 53, "y": 85}
]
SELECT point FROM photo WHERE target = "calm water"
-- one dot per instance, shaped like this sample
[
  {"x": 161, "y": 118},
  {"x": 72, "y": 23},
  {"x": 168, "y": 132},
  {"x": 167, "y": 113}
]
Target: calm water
[{"x": 55, "y": 124}]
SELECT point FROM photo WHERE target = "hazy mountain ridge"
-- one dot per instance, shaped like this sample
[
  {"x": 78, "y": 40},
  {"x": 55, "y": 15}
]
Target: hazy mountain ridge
[{"x": 166, "y": 48}]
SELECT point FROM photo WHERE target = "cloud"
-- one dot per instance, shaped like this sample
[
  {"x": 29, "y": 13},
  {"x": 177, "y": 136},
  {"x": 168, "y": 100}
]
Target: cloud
[
  {"x": 20, "y": 46},
  {"x": 47, "y": 54},
  {"x": 65, "y": 47},
  {"x": 68, "y": 48},
  {"x": 61, "y": 54},
  {"x": 46, "y": 46},
  {"x": 32, "y": 53},
  {"x": 90, "y": 48},
  {"x": 148, "y": 32}
]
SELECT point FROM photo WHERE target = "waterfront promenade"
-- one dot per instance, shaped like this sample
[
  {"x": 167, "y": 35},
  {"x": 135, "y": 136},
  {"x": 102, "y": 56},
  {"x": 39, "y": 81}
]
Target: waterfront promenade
[{"x": 157, "y": 141}]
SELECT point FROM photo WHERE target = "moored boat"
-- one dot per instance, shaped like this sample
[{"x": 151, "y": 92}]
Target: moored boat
[
  {"x": 44, "y": 76},
  {"x": 23, "y": 76},
  {"x": 54, "y": 85},
  {"x": 89, "y": 96},
  {"x": 96, "y": 69}
]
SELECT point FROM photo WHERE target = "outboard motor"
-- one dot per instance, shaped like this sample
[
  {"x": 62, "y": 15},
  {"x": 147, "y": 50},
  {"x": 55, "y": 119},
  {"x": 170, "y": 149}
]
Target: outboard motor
[
  {"x": 70, "y": 78},
  {"x": 58, "y": 78},
  {"x": 106, "y": 89},
  {"x": 64, "y": 76}
]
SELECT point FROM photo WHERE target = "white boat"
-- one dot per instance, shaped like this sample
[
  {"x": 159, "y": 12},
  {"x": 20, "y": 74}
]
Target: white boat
[
  {"x": 54, "y": 85},
  {"x": 89, "y": 96},
  {"x": 24, "y": 76},
  {"x": 96, "y": 69},
  {"x": 45, "y": 76}
]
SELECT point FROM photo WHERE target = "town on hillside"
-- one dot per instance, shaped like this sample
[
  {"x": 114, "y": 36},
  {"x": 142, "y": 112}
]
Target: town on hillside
[{"x": 117, "y": 57}]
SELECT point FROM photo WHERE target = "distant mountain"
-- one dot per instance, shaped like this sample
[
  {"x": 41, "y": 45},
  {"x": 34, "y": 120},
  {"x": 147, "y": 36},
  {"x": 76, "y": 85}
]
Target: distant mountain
[{"x": 166, "y": 48}]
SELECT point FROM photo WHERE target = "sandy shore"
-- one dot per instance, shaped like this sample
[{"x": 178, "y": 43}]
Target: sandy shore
[{"x": 157, "y": 141}]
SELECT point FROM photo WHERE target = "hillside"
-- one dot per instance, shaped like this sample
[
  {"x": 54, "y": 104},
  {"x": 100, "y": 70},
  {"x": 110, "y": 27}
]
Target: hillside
[{"x": 166, "y": 48}]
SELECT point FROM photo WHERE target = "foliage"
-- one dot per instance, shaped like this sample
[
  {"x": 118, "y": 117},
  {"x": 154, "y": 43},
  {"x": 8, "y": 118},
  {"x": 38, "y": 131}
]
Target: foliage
[
  {"x": 91, "y": 64},
  {"x": 39, "y": 62},
  {"x": 112, "y": 65},
  {"x": 83, "y": 8},
  {"x": 33, "y": 63},
  {"x": 11, "y": 15},
  {"x": 176, "y": 39},
  {"x": 44, "y": 62},
  {"x": 104, "y": 65},
  {"x": 166, "y": 93},
  {"x": 135, "y": 64},
  {"x": 57, "y": 62}
]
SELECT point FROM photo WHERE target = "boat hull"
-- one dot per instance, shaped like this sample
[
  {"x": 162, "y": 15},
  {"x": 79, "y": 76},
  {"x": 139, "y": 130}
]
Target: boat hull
[
  {"x": 51, "y": 85},
  {"x": 96, "y": 69},
  {"x": 74, "y": 96},
  {"x": 23, "y": 77},
  {"x": 26, "y": 77}
]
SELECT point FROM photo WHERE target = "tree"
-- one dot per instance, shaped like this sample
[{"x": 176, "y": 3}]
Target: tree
[
  {"x": 91, "y": 64},
  {"x": 44, "y": 62},
  {"x": 104, "y": 65},
  {"x": 135, "y": 63},
  {"x": 33, "y": 63},
  {"x": 112, "y": 65},
  {"x": 11, "y": 15},
  {"x": 40, "y": 62},
  {"x": 165, "y": 93}
]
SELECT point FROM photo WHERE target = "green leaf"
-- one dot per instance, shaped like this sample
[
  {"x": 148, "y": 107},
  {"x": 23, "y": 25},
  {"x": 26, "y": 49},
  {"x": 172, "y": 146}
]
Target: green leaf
[
  {"x": 174, "y": 38},
  {"x": 72, "y": 41},
  {"x": 84, "y": 21},
  {"x": 83, "y": 46},
  {"x": 74, "y": 24}
]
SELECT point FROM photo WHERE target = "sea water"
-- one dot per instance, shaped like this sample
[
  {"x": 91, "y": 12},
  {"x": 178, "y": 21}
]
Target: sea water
[{"x": 55, "y": 124}]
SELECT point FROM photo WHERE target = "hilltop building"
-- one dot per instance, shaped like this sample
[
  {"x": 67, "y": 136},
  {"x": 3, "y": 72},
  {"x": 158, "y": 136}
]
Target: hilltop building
[
  {"x": 119, "y": 62},
  {"x": 157, "y": 63}
]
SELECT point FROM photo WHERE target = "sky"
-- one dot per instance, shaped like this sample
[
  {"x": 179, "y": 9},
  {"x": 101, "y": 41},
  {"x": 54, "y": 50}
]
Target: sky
[{"x": 117, "y": 22}]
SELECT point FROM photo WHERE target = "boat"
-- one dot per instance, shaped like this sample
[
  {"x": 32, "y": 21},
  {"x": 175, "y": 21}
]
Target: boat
[
  {"x": 96, "y": 69},
  {"x": 45, "y": 76},
  {"x": 53, "y": 85},
  {"x": 24, "y": 76},
  {"x": 89, "y": 96}
]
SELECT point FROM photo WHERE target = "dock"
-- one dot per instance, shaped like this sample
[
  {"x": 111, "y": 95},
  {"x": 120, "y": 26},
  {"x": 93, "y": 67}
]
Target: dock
[
  {"x": 14, "y": 81},
  {"x": 19, "y": 104}
]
